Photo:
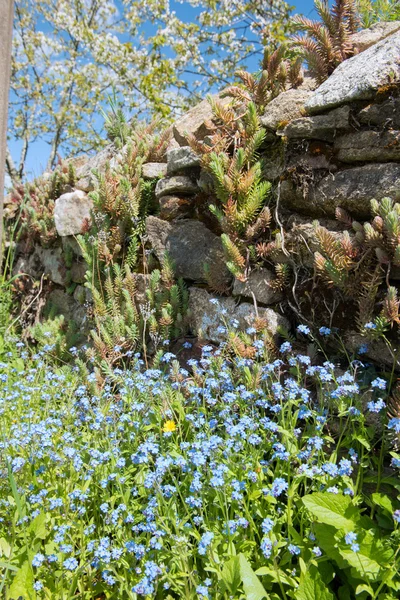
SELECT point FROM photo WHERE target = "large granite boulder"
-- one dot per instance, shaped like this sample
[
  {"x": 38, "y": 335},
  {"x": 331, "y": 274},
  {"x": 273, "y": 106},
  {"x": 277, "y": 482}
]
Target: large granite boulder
[
  {"x": 181, "y": 159},
  {"x": 284, "y": 108},
  {"x": 190, "y": 245},
  {"x": 209, "y": 314},
  {"x": 259, "y": 285},
  {"x": 72, "y": 213},
  {"x": 177, "y": 184},
  {"x": 359, "y": 77},
  {"x": 378, "y": 31},
  {"x": 319, "y": 127},
  {"x": 154, "y": 170},
  {"x": 52, "y": 263},
  {"x": 351, "y": 189},
  {"x": 384, "y": 114},
  {"x": 198, "y": 121},
  {"x": 363, "y": 146},
  {"x": 84, "y": 173}
]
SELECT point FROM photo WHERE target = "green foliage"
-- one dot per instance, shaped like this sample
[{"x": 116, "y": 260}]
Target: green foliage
[
  {"x": 359, "y": 264},
  {"x": 373, "y": 11},
  {"x": 115, "y": 122},
  {"x": 55, "y": 334},
  {"x": 327, "y": 43},
  {"x": 240, "y": 190},
  {"x": 32, "y": 205},
  {"x": 278, "y": 72},
  {"x": 69, "y": 55},
  {"x": 288, "y": 496},
  {"x": 126, "y": 319}
]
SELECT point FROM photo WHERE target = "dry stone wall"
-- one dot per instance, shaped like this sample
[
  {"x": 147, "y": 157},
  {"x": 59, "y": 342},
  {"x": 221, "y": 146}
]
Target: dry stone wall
[{"x": 336, "y": 145}]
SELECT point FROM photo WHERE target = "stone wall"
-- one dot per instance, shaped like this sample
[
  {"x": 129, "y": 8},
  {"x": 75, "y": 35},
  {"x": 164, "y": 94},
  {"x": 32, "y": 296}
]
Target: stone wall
[{"x": 337, "y": 145}]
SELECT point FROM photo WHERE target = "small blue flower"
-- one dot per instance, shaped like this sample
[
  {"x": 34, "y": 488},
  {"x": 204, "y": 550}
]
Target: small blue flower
[
  {"x": 351, "y": 539},
  {"x": 303, "y": 329},
  {"x": 279, "y": 485},
  {"x": 205, "y": 541},
  {"x": 38, "y": 560},
  {"x": 377, "y": 406},
  {"x": 267, "y": 525},
  {"x": 70, "y": 564},
  {"x": 266, "y": 547},
  {"x": 294, "y": 550},
  {"x": 285, "y": 347},
  {"x": 325, "y": 331},
  {"x": 379, "y": 383}
]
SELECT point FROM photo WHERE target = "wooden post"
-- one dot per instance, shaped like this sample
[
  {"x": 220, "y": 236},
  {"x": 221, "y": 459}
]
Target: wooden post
[{"x": 6, "y": 29}]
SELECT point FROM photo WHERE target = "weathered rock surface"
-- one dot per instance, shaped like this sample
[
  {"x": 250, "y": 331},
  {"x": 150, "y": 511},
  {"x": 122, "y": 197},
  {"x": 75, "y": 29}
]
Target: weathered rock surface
[
  {"x": 368, "y": 37},
  {"x": 206, "y": 316},
  {"x": 273, "y": 164},
  {"x": 78, "y": 271},
  {"x": 178, "y": 184},
  {"x": 319, "y": 127},
  {"x": 384, "y": 114},
  {"x": 154, "y": 170},
  {"x": 85, "y": 178},
  {"x": 359, "y": 77},
  {"x": 258, "y": 284},
  {"x": 190, "y": 245},
  {"x": 181, "y": 159},
  {"x": 351, "y": 189},
  {"x": 206, "y": 182},
  {"x": 286, "y": 107},
  {"x": 52, "y": 262},
  {"x": 142, "y": 283},
  {"x": 301, "y": 240},
  {"x": 63, "y": 304},
  {"x": 368, "y": 146},
  {"x": 72, "y": 213},
  {"x": 174, "y": 207},
  {"x": 197, "y": 121},
  {"x": 376, "y": 350}
]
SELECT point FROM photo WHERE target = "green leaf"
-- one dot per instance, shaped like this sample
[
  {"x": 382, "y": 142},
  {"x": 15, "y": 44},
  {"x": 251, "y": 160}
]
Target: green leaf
[
  {"x": 371, "y": 561},
  {"x": 252, "y": 586},
  {"x": 383, "y": 501},
  {"x": 332, "y": 509},
  {"x": 22, "y": 584},
  {"x": 231, "y": 578},
  {"x": 312, "y": 587},
  {"x": 277, "y": 575},
  {"x": 5, "y": 548},
  {"x": 326, "y": 540},
  {"x": 38, "y": 526}
]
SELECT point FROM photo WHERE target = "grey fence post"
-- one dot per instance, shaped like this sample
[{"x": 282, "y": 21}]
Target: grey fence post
[{"x": 6, "y": 28}]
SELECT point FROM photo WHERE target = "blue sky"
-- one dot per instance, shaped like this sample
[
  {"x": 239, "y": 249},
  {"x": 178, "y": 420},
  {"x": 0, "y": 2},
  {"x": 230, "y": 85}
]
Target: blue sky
[{"x": 39, "y": 151}]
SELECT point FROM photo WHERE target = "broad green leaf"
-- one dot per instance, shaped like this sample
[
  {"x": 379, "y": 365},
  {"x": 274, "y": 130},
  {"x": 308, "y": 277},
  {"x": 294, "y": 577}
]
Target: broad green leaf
[
  {"x": 326, "y": 540},
  {"x": 252, "y": 586},
  {"x": 277, "y": 575},
  {"x": 38, "y": 526},
  {"x": 371, "y": 561},
  {"x": 22, "y": 584},
  {"x": 312, "y": 587},
  {"x": 363, "y": 587},
  {"x": 231, "y": 578},
  {"x": 383, "y": 501},
  {"x": 5, "y": 548},
  {"x": 332, "y": 509}
]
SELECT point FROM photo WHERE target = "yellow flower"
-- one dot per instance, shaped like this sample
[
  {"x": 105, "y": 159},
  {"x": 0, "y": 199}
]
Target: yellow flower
[{"x": 169, "y": 426}]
